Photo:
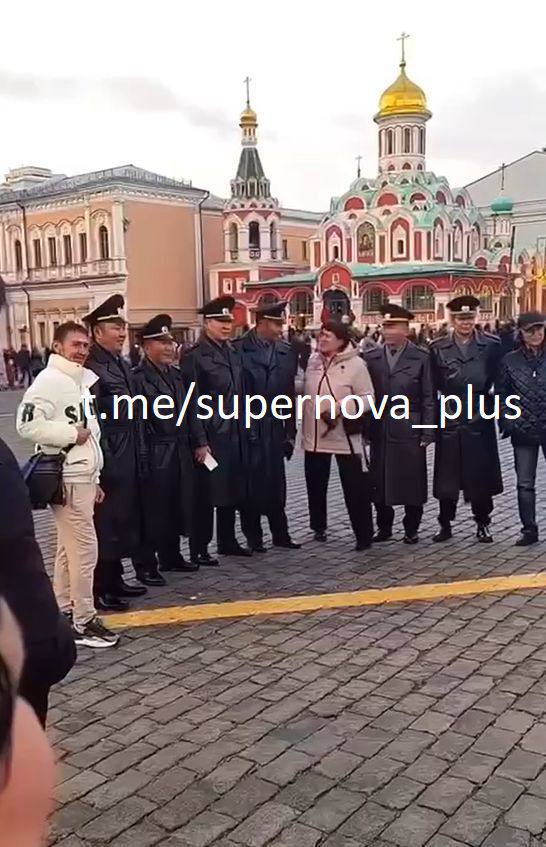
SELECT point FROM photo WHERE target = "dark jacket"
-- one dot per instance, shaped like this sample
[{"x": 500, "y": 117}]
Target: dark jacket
[
  {"x": 523, "y": 374},
  {"x": 167, "y": 490},
  {"x": 466, "y": 457},
  {"x": 398, "y": 461},
  {"x": 24, "y": 584},
  {"x": 216, "y": 370},
  {"x": 118, "y": 519},
  {"x": 268, "y": 371}
]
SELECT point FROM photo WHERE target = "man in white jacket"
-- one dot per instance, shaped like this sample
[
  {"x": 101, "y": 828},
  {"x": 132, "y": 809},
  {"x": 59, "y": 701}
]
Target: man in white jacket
[{"x": 57, "y": 414}]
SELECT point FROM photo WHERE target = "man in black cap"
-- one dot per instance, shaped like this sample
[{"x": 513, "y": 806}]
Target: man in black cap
[
  {"x": 523, "y": 375},
  {"x": 398, "y": 445},
  {"x": 464, "y": 366},
  {"x": 215, "y": 367},
  {"x": 118, "y": 519},
  {"x": 168, "y": 487},
  {"x": 269, "y": 367}
]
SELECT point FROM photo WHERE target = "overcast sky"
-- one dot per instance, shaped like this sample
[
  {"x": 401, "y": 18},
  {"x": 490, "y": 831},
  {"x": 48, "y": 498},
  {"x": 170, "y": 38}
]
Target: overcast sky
[{"x": 85, "y": 86}]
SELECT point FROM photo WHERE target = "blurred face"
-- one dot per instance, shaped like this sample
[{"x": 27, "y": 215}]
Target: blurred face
[
  {"x": 464, "y": 324},
  {"x": 160, "y": 351},
  {"x": 396, "y": 333},
  {"x": 328, "y": 343},
  {"x": 75, "y": 347},
  {"x": 270, "y": 330},
  {"x": 218, "y": 330},
  {"x": 111, "y": 335},
  {"x": 533, "y": 337}
]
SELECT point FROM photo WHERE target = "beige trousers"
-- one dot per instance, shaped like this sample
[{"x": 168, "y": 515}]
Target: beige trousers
[{"x": 77, "y": 552}]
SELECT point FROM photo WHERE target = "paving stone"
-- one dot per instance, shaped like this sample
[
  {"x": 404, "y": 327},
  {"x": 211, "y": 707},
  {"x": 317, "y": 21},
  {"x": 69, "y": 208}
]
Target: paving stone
[
  {"x": 204, "y": 829},
  {"x": 368, "y": 742},
  {"x": 367, "y": 823},
  {"x": 228, "y": 774},
  {"x": 249, "y": 793},
  {"x": 426, "y": 769},
  {"x": 166, "y": 786},
  {"x": 116, "y": 819},
  {"x": 433, "y": 722},
  {"x": 263, "y": 825},
  {"x": 184, "y": 806},
  {"x": 283, "y": 769},
  {"x": 143, "y": 834},
  {"x": 473, "y": 722},
  {"x": 528, "y": 813},
  {"x": 298, "y": 835},
  {"x": 506, "y": 836},
  {"x": 78, "y": 785},
  {"x": 499, "y": 792},
  {"x": 472, "y": 822},
  {"x": 414, "y": 827},
  {"x": 303, "y": 792},
  {"x": 338, "y": 764},
  {"x": 409, "y": 745},
  {"x": 373, "y": 774},
  {"x": 535, "y": 739},
  {"x": 265, "y": 750},
  {"x": 399, "y": 793},
  {"x": 474, "y": 766},
  {"x": 496, "y": 742},
  {"x": 450, "y": 746},
  {"x": 447, "y": 794},
  {"x": 332, "y": 809},
  {"x": 124, "y": 785},
  {"x": 521, "y": 765}
]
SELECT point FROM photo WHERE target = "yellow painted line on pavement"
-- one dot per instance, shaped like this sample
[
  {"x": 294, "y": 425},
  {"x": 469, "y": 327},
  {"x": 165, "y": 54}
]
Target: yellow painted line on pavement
[{"x": 315, "y": 602}]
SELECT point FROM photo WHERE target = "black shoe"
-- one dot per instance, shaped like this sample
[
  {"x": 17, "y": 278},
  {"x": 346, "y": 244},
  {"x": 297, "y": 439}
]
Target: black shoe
[
  {"x": 235, "y": 550},
  {"x": 110, "y": 603},
  {"x": 362, "y": 545},
  {"x": 287, "y": 545},
  {"x": 150, "y": 577},
  {"x": 95, "y": 634},
  {"x": 203, "y": 559},
  {"x": 178, "y": 566},
  {"x": 444, "y": 534},
  {"x": 258, "y": 547},
  {"x": 123, "y": 589},
  {"x": 412, "y": 538},
  {"x": 526, "y": 539},
  {"x": 483, "y": 535},
  {"x": 320, "y": 535},
  {"x": 382, "y": 535}
]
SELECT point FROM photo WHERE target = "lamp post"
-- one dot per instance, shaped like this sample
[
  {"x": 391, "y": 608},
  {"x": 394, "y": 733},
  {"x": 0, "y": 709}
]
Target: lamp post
[{"x": 519, "y": 285}]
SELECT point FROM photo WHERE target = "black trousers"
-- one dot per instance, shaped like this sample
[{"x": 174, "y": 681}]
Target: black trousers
[
  {"x": 251, "y": 525},
  {"x": 385, "y": 518},
  {"x": 202, "y": 520},
  {"x": 166, "y": 553},
  {"x": 108, "y": 576},
  {"x": 481, "y": 510},
  {"x": 356, "y": 494}
]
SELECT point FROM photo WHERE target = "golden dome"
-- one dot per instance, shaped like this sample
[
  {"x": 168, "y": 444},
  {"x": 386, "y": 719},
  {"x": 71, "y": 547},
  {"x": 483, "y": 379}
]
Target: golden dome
[
  {"x": 249, "y": 117},
  {"x": 403, "y": 97}
]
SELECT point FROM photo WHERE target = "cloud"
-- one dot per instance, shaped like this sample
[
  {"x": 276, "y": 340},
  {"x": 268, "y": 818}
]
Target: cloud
[{"x": 137, "y": 94}]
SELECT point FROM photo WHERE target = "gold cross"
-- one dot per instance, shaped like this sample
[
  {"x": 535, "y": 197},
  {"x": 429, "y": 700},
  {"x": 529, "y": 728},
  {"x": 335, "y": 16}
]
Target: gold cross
[
  {"x": 402, "y": 38},
  {"x": 358, "y": 161},
  {"x": 247, "y": 83}
]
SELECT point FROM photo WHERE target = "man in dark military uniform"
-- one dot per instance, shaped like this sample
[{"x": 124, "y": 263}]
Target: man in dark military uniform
[
  {"x": 464, "y": 365},
  {"x": 269, "y": 369},
  {"x": 398, "y": 446},
  {"x": 118, "y": 519},
  {"x": 215, "y": 367},
  {"x": 168, "y": 487}
]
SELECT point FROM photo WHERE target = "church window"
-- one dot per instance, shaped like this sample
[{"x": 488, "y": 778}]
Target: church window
[
  {"x": 399, "y": 242},
  {"x": 407, "y": 140},
  {"x": 254, "y": 235},
  {"x": 67, "y": 244},
  {"x": 18, "y": 255},
  {"x": 457, "y": 243},
  {"x": 372, "y": 300},
  {"x": 422, "y": 140},
  {"x": 83, "y": 246},
  {"x": 486, "y": 300},
  {"x": 400, "y": 246},
  {"x": 52, "y": 247},
  {"x": 304, "y": 251},
  {"x": 440, "y": 197},
  {"x": 419, "y": 298},
  {"x": 301, "y": 304},
  {"x": 438, "y": 242},
  {"x": 273, "y": 239},
  {"x": 336, "y": 251},
  {"x": 228, "y": 286},
  {"x": 419, "y": 167},
  {"x": 390, "y": 142},
  {"x": 234, "y": 241},
  {"x": 104, "y": 247},
  {"x": 285, "y": 248},
  {"x": 37, "y": 247}
]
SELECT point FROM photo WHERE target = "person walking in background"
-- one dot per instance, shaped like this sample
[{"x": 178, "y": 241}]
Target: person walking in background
[
  {"x": 22, "y": 360},
  {"x": 523, "y": 375},
  {"x": 214, "y": 366},
  {"x": 167, "y": 490},
  {"x": 269, "y": 369},
  {"x": 398, "y": 445},
  {"x": 118, "y": 519},
  {"x": 337, "y": 370},
  {"x": 56, "y": 414},
  {"x": 48, "y": 639},
  {"x": 466, "y": 457}
]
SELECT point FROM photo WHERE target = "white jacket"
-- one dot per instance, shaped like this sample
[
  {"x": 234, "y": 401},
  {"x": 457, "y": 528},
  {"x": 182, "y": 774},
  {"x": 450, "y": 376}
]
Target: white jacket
[{"x": 58, "y": 401}]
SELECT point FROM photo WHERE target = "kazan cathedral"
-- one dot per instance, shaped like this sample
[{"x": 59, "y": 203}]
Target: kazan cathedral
[{"x": 404, "y": 235}]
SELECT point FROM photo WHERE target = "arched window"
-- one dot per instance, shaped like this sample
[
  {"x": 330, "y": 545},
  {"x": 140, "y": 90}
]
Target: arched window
[
  {"x": 458, "y": 242},
  {"x": 422, "y": 140},
  {"x": 475, "y": 238},
  {"x": 234, "y": 241},
  {"x": 486, "y": 300},
  {"x": 104, "y": 243},
  {"x": 463, "y": 291},
  {"x": 407, "y": 140},
  {"x": 273, "y": 239},
  {"x": 18, "y": 255},
  {"x": 301, "y": 304},
  {"x": 438, "y": 242},
  {"x": 390, "y": 142},
  {"x": 373, "y": 298},
  {"x": 419, "y": 298},
  {"x": 254, "y": 235},
  {"x": 266, "y": 300}
]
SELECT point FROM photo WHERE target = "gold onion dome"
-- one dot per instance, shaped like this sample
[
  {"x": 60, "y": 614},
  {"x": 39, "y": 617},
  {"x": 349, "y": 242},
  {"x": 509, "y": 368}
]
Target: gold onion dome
[
  {"x": 403, "y": 97},
  {"x": 249, "y": 117}
]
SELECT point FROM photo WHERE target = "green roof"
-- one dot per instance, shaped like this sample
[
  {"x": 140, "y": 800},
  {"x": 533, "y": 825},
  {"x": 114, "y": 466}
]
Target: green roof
[
  {"x": 360, "y": 271},
  {"x": 288, "y": 279}
]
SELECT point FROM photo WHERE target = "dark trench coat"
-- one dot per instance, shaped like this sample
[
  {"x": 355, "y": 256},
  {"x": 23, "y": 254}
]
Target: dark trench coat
[
  {"x": 167, "y": 488},
  {"x": 118, "y": 519},
  {"x": 217, "y": 371},
  {"x": 268, "y": 371},
  {"x": 398, "y": 463},
  {"x": 467, "y": 457}
]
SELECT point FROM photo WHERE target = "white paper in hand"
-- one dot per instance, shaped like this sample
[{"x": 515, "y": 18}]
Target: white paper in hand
[{"x": 210, "y": 462}]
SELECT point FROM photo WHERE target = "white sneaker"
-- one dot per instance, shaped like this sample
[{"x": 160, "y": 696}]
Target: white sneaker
[{"x": 95, "y": 634}]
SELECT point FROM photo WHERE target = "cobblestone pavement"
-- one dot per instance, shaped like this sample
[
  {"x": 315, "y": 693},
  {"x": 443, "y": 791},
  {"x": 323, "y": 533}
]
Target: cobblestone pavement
[{"x": 409, "y": 724}]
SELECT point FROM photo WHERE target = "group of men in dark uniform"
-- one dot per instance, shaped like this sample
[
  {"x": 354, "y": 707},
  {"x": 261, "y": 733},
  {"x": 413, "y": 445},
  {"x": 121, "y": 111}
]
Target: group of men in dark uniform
[{"x": 166, "y": 469}]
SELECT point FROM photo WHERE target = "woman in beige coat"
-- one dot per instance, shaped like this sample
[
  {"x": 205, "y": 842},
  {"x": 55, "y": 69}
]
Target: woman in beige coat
[{"x": 337, "y": 371}]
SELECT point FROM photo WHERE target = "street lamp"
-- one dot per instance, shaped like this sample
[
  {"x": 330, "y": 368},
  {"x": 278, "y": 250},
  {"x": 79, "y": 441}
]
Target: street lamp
[{"x": 519, "y": 285}]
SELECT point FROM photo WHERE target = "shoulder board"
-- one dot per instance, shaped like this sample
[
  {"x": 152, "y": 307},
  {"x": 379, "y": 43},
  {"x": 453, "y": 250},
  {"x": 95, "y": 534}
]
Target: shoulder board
[{"x": 491, "y": 337}]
